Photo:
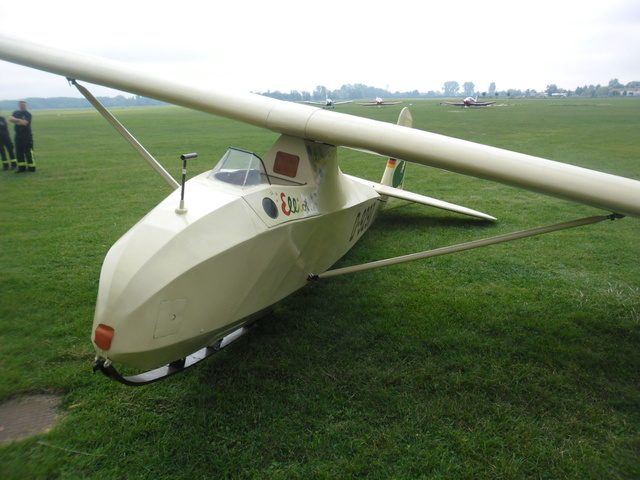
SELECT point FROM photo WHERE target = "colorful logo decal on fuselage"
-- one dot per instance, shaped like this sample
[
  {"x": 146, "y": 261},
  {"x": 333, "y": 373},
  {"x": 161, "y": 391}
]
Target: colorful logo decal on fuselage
[{"x": 294, "y": 205}]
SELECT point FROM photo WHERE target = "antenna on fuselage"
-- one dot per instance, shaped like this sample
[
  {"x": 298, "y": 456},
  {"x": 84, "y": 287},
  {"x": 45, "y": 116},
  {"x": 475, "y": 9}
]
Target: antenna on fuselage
[{"x": 184, "y": 159}]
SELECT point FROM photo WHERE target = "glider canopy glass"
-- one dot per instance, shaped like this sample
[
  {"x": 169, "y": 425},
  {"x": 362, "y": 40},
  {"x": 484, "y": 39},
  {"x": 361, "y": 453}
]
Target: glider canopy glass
[{"x": 242, "y": 168}]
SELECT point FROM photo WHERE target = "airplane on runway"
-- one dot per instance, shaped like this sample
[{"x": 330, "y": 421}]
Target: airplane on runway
[
  {"x": 379, "y": 103},
  {"x": 470, "y": 102},
  {"x": 328, "y": 103}
]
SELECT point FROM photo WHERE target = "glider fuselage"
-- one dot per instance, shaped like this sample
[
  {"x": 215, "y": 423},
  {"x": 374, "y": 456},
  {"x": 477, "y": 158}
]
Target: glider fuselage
[{"x": 180, "y": 281}]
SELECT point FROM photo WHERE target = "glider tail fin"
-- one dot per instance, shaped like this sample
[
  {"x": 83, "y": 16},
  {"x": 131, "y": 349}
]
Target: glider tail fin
[
  {"x": 393, "y": 175},
  {"x": 391, "y": 185}
]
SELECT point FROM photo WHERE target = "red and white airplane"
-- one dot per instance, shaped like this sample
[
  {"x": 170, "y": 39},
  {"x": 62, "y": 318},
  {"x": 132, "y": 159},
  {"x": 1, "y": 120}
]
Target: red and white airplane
[
  {"x": 470, "y": 102},
  {"x": 378, "y": 103}
]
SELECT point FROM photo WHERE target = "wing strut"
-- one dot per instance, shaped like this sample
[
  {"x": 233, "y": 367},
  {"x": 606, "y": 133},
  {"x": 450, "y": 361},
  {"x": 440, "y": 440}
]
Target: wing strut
[
  {"x": 127, "y": 136},
  {"x": 465, "y": 246}
]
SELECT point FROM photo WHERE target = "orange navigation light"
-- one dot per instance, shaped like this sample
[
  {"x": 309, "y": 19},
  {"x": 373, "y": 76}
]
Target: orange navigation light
[{"x": 104, "y": 335}]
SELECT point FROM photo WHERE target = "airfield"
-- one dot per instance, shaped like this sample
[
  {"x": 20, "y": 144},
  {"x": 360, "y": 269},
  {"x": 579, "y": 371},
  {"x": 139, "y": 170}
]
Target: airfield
[{"x": 514, "y": 361}]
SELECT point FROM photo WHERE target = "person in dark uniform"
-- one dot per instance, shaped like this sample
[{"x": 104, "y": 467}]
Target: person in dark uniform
[
  {"x": 5, "y": 142},
  {"x": 24, "y": 138}
]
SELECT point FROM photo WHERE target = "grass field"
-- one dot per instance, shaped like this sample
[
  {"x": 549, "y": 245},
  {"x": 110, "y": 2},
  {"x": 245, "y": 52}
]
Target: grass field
[{"x": 516, "y": 361}]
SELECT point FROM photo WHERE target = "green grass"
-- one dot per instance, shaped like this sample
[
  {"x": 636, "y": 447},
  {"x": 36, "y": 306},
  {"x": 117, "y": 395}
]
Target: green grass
[{"x": 515, "y": 361}]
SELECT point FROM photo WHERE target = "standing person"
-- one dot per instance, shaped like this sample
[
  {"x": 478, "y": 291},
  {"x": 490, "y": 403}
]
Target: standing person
[
  {"x": 24, "y": 138},
  {"x": 5, "y": 142}
]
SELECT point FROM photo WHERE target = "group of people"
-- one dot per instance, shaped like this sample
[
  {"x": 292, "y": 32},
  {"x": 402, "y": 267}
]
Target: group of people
[{"x": 23, "y": 160}]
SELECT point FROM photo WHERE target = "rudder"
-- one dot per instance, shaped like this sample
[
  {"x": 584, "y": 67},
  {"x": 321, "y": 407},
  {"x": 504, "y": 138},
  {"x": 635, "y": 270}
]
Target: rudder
[{"x": 393, "y": 175}]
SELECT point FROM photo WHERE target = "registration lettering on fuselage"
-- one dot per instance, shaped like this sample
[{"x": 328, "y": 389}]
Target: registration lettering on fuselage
[{"x": 363, "y": 221}]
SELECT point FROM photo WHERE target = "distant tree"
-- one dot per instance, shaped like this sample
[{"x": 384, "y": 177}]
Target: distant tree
[
  {"x": 614, "y": 83},
  {"x": 320, "y": 93},
  {"x": 492, "y": 89},
  {"x": 344, "y": 92},
  {"x": 468, "y": 88},
  {"x": 586, "y": 91},
  {"x": 633, "y": 85},
  {"x": 451, "y": 88}
]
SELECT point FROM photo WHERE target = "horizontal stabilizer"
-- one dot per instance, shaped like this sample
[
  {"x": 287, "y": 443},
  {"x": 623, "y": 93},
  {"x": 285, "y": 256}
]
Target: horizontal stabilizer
[{"x": 432, "y": 202}]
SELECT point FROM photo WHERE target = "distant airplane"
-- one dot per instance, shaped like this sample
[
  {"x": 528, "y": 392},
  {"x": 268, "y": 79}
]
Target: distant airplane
[
  {"x": 379, "y": 103},
  {"x": 470, "y": 102},
  {"x": 328, "y": 103}
]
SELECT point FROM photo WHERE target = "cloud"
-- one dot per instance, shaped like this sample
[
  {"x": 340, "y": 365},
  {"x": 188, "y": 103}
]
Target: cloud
[{"x": 286, "y": 45}]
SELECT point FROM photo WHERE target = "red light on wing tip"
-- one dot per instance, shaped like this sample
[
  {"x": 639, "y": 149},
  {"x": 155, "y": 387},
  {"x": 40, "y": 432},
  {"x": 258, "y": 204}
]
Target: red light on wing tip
[{"x": 104, "y": 335}]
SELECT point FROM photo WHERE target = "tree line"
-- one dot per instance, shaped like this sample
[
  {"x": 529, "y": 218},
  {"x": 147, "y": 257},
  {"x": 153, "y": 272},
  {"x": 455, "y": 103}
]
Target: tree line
[
  {"x": 38, "y": 103},
  {"x": 346, "y": 92},
  {"x": 449, "y": 89}
]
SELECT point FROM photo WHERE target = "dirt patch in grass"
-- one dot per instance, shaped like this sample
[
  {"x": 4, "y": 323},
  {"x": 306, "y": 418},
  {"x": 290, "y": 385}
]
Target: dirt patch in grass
[{"x": 26, "y": 416}]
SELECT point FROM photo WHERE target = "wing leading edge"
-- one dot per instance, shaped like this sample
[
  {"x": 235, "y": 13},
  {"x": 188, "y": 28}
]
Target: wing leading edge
[{"x": 609, "y": 192}]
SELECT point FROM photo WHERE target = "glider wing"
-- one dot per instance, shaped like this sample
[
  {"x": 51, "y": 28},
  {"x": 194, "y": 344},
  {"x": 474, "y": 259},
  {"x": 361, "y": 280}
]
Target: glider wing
[{"x": 609, "y": 192}]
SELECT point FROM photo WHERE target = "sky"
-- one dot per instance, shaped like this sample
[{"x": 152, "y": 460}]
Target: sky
[{"x": 287, "y": 45}]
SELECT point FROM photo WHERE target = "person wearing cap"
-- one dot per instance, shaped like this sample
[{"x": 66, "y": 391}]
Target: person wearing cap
[
  {"x": 24, "y": 138},
  {"x": 5, "y": 142}
]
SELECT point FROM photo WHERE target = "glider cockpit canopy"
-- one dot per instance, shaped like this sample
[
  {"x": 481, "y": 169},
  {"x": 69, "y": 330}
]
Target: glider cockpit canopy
[
  {"x": 241, "y": 168},
  {"x": 290, "y": 162}
]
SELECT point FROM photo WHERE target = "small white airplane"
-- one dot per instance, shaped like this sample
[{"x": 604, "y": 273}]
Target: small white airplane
[
  {"x": 379, "y": 103},
  {"x": 328, "y": 103},
  {"x": 470, "y": 102},
  {"x": 196, "y": 271}
]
